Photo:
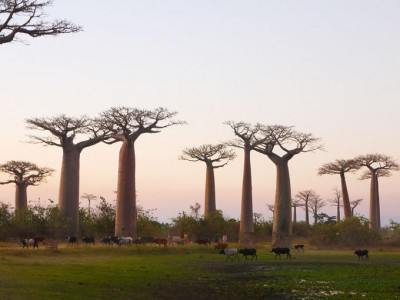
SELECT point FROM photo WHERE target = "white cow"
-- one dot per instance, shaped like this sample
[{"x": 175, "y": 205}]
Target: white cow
[{"x": 231, "y": 253}]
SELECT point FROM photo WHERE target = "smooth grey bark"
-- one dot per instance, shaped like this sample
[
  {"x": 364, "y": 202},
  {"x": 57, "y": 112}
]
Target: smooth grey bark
[
  {"x": 68, "y": 194},
  {"x": 209, "y": 202},
  {"x": 282, "y": 223},
  {"x": 126, "y": 210},
  {"x": 373, "y": 202},
  {"x": 21, "y": 196},
  {"x": 246, "y": 211},
  {"x": 345, "y": 196}
]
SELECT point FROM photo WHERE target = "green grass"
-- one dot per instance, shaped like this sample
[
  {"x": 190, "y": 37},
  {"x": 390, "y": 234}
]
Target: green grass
[{"x": 193, "y": 272}]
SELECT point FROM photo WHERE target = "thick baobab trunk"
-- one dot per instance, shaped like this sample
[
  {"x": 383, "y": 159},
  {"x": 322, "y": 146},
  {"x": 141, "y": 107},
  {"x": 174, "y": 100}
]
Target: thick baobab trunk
[
  {"x": 282, "y": 224},
  {"x": 21, "y": 197},
  {"x": 307, "y": 212},
  {"x": 126, "y": 213},
  {"x": 246, "y": 231},
  {"x": 346, "y": 198},
  {"x": 209, "y": 202},
  {"x": 378, "y": 206},
  {"x": 294, "y": 215},
  {"x": 68, "y": 197},
  {"x": 373, "y": 202},
  {"x": 338, "y": 214}
]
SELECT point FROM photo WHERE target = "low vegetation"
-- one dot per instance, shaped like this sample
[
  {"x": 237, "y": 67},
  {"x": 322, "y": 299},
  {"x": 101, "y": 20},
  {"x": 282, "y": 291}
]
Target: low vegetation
[{"x": 194, "y": 272}]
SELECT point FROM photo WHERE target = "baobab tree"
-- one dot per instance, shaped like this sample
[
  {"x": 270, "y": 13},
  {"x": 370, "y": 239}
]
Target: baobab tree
[
  {"x": 379, "y": 165},
  {"x": 305, "y": 196},
  {"x": 64, "y": 132},
  {"x": 341, "y": 167},
  {"x": 127, "y": 125},
  {"x": 354, "y": 204},
  {"x": 295, "y": 204},
  {"x": 337, "y": 202},
  {"x": 316, "y": 203},
  {"x": 214, "y": 156},
  {"x": 246, "y": 140},
  {"x": 24, "y": 174},
  {"x": 280, "y": 144},
  {"x": 27, "y": 17},
  {"x": 89, "y": 198}
]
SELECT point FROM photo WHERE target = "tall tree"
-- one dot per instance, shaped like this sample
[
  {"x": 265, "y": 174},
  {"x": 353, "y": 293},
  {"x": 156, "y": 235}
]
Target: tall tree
[
  {"x": 126, "y": 125},
  {"x": 27, "y": 17},
  {"x": 63, "y": 132},
  {"x": 246, "y": 140},
  {"x": 379, "y": 165},
  {"x": 24, "y": 174},
  {"x": 316, "y": 203},
  {"x": 89, "y": 198},
  {"x": 295, "y": 204},
  {"x": 214, "y": 156},
  {"x": 305, "y": 197},
  {"x": 280, "y": 144},
  {"x": 341, "y": 167},
  {"x": 354, "y": 204},
  {"x": 337, "y": 202}
]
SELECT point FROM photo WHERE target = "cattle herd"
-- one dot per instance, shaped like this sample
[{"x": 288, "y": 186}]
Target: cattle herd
[{"x": 230, "y": 254}]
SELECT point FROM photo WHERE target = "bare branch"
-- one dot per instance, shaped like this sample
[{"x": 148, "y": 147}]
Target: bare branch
[
  {"x": 209, "y": 154},
  {"x": 26, "y": 17}
]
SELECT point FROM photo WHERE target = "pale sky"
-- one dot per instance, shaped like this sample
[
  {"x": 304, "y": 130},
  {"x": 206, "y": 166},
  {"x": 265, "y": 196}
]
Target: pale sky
[{"x": 331, "y": 68}]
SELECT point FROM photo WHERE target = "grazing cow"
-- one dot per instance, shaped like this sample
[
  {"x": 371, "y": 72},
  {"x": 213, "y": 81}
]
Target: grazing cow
[
  {"x": 72, "y": 240},
  {"x": 40, "y": 239},
  {"x": 361, "y": 254},
  {"x": 299, "y": 247},
  {"x": 125, "y": 240},
  {"x": 160, "y": 241},
  {"x": 88, "y": 240},
  {"x": 278, "y": 251},
  {"x": 28, "y": 242},
  {"x": 204, "y": 242},
  {"x": 145, "y": 240},
  {"x": 249, "y": 251},
  {"x": 106, "y": 241},
  {"x": 220, "y": 246},
  {"x": 231, "y": 254},
  {"x": 114, "y": 239}
]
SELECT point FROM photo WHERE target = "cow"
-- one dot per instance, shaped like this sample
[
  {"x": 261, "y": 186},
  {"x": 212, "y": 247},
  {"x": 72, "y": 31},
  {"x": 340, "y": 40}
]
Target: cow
[
  {"x": 249, "y": 252},
  {"x": 299, "y": 247},
  {"x": 144, "y": 240},
  {"x": 231, "y": 254},
  {"x": 41, "y": 239},
  {"x": 106, "y": 241},
  {"x": 28, "y": 242},
  {"x": 220, "y": 246},
  {"x": 278, "y": 251},
  {"x": 204, "y": 242},
  {"x": 72, "y": 240},
  {"x": 160, "y": 241},
  {"x": 125, "y": 240},
  {"x": 88, "y": 240},
  {"x": 361, "y": 254}
]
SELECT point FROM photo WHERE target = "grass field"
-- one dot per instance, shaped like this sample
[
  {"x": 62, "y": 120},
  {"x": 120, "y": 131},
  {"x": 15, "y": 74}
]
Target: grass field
[{"x": 194, "y": 272}]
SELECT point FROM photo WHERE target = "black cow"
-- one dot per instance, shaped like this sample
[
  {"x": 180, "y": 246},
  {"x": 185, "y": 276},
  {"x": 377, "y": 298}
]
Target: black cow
[
  {"x": 72, "y": 240},
  {"x": 361, "y": 254},
  {"x": 106, "y": 241},
  {"x": 204, "y": 242},
  {"x": 249, "y": 252},
  {"x": 278, "y": 251},
  {"x": 88, "y": 240},
  {"x": 299, "y": 247}
]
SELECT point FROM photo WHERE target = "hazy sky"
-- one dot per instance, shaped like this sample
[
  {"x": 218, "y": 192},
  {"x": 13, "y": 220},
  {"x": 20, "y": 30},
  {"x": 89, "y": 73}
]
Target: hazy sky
[{"x": 331, "y": 68}]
